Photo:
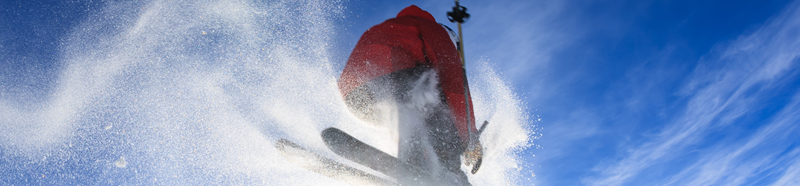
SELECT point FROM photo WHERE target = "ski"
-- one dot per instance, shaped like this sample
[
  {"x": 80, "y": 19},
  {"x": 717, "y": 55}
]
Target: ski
[
  {"x": 353, "y": 149},
  {"x": 328, "y": 167}
]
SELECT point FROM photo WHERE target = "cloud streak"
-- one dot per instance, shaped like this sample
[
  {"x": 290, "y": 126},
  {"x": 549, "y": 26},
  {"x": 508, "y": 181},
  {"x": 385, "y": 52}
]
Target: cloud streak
[
  {"x": 738, "y": 161},
  {"x": 720, "y": 91}
]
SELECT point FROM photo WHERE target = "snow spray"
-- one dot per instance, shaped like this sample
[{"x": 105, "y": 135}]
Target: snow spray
[{"x": 197, "y": 92}]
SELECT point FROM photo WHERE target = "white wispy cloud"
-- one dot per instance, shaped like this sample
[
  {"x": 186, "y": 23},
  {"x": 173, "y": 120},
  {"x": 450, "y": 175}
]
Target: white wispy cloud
[
  {"x": 789, "y": 176},
  {"x": 735, "y": 162},
  {"x": 723, "y": 88}
]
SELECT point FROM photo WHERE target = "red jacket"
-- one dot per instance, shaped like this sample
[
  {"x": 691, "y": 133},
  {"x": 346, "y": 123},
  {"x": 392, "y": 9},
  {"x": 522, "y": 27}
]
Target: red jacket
[{"x": 411, "y": 39}]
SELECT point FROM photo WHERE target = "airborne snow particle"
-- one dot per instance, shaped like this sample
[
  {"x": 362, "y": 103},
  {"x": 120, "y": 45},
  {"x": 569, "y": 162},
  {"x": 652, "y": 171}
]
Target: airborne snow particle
[{"x": 121, "y": 163}]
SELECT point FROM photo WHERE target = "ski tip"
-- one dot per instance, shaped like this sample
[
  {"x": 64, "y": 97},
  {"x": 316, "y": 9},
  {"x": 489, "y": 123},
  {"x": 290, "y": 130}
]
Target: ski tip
[
  {"x": 333, "y": 137},
  {"x": 331, "y": 131},
  {"x": 282, "y": 144}
]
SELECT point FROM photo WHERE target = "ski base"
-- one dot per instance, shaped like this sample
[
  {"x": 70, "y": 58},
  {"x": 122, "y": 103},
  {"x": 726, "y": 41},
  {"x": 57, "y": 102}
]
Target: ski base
[
  {"x": 328, "y": 167},
  {"x": 353, "y": 149}
]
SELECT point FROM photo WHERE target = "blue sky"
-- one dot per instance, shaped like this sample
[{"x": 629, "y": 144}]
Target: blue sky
[{"x": 629, "y": 92}]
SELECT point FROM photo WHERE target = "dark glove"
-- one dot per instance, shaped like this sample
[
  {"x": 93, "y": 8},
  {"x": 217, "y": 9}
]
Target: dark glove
[{"x": 473, "y": 155}]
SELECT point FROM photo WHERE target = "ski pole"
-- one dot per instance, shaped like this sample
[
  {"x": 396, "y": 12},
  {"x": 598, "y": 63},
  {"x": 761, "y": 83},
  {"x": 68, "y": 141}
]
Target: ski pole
[{"x": 458, "y": 15}]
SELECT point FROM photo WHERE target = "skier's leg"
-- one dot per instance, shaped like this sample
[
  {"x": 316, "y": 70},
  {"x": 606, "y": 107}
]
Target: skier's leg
[
  {"x": 444, "y": 138},
  {"x": 439, "y": 137},
  {"x": 414, "y": 147},
  {"x": 412, "y": 139}
]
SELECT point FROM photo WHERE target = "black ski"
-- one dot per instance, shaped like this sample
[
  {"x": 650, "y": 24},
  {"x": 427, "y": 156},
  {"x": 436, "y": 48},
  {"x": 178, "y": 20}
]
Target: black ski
[
  {"x": 351, "y": 148},
  {"x": 327, "y": 167}
]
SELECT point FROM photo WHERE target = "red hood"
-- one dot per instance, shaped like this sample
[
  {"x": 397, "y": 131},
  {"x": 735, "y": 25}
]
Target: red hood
[{"x": 413, "y": 10}]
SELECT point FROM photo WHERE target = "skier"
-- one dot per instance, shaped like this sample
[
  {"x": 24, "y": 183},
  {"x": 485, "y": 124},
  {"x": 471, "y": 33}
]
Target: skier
[{"x": 411, "y": 63}]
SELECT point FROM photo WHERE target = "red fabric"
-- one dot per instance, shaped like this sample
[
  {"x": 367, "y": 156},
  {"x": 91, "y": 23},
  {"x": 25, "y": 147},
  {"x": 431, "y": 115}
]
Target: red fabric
[
  {"x": 413, "y": 10},
  {"x": 412, "y": 38}
]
